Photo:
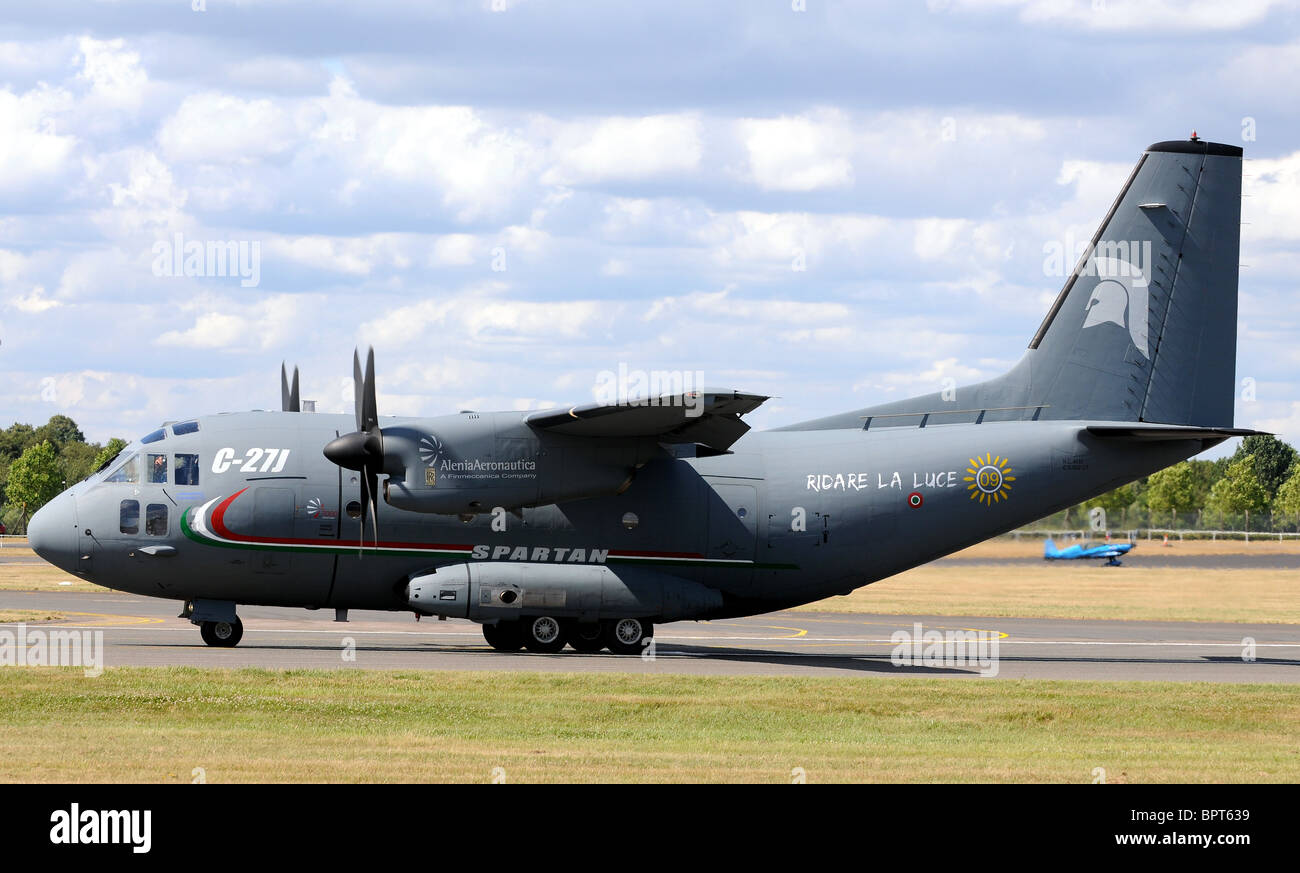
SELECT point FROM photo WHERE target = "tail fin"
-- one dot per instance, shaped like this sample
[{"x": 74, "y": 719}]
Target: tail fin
[
  {"x": 1145, "y": 328},
  {"x": 1049, "y": 548}
]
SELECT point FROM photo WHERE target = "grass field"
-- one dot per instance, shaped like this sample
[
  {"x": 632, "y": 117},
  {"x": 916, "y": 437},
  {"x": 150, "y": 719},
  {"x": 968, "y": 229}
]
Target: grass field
[
  {"x": 158, "y": 724},
  {"x": 1087, "y": 589},
  {"x": 1127, "y": 593}
]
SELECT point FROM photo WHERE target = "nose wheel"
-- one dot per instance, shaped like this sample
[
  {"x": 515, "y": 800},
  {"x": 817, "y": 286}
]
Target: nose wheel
[{"x": 223, "y": 634}]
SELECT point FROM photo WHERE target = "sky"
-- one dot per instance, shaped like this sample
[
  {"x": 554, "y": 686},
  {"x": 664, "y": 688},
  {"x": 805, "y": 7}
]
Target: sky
[{"x": 833, "y": 203}]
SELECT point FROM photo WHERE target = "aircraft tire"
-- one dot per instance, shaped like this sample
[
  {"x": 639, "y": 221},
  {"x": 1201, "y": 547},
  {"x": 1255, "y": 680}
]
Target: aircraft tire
[
  {"x": 586, "y": 638},
  {"x": 222, "y": 634},
  {"x": 627, "y": 636},
  {"x": 543, "y": 634},
  {"x": 504, "y": 636}
]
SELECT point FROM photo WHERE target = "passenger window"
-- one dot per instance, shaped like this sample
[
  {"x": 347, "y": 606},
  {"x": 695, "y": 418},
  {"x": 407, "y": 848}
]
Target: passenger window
[
  {"x": 187, "y": 469},
  {"x": 128, "y": 472},
  {"x": 155, "y": 520},
  {"x": 130, "y": 517},
  {"x": 156, "y": 469}
]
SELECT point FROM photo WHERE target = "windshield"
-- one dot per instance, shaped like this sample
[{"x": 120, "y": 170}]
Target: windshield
[{"x": 126, "y": 471}]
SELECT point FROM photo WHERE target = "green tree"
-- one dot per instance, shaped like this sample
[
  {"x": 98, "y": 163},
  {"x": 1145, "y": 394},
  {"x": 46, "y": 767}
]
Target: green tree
[
  {"x": 1287, "y": 501},
  {"x": 77, "y": 460},
  {"x": 1273, "y": 460},
  {"x": 108, "y": 453},
  {"x": 14, "y": 439},
  {"x": 1175, "y": 489},
  {"x": 59, "y": 430},
  {"x": 34, "y": 479},
  {"x": 1240, "y": 490}
]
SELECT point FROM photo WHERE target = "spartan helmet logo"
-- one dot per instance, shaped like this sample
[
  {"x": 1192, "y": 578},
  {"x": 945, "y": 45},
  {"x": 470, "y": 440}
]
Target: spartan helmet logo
[{"x": 1119, "y": 298}]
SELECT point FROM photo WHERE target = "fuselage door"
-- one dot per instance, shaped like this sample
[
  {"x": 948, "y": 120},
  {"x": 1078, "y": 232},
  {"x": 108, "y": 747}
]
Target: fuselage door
[{"x": 733, "y": 510}]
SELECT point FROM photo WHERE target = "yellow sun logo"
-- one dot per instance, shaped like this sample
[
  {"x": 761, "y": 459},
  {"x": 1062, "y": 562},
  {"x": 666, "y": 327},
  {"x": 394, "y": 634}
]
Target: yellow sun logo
[{"x": 990, "y": 478}]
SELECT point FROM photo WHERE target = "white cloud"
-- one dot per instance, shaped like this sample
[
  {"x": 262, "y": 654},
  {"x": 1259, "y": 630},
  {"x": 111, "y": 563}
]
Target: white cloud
[
  {"x": 1193, "y": 15},
  {"x": 31, "y": 149},
  {"x": 113, "y": 71},
  {"x": 802, "y": 153},
  {"x": 225, "y": 325},
  {"x": 625, "y": 149},
  {"x": 220, "y": 128},
  {"x": 35, "y": 302}
]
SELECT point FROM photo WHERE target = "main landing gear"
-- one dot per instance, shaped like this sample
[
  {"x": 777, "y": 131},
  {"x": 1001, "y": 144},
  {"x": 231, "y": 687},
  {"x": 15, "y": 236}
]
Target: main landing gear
[
  {"x": 218, "y": 624},
  {"x": 222, "y": 633},
  {"x": 548, "y": 634}
]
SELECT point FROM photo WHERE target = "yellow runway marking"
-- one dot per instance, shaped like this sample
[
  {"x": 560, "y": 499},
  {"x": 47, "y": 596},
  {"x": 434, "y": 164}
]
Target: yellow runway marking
[
  {"x": 1002, "y": 635},
  {"x": 109, "y": 620},
  {"x": 798, "y": 631}
]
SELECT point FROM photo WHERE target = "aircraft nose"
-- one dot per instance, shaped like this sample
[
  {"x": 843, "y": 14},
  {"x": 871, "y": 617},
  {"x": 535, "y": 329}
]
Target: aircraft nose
[{"x": 52, "y": 532}]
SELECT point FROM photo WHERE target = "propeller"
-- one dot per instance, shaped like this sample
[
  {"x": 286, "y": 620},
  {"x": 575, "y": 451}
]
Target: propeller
[
  {"x": 289, "y": 396},
  {"x": 363, "y": 450}
]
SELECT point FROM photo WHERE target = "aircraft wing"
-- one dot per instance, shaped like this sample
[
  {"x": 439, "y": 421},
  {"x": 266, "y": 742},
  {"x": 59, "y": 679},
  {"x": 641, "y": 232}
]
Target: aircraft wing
[{"x": 710, "y": 417}]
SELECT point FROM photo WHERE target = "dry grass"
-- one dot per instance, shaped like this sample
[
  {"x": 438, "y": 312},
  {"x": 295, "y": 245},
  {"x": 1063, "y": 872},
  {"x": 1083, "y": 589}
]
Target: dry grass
[
  {"x": 43, "y": 577},
  {"x": 1074, "y": 590},
  {"x": 29, "y": 616},
  {"x": 158, "y": 724}
]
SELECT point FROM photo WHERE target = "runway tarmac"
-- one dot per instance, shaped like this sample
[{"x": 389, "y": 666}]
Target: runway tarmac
[{"x": 145, "y": 631}]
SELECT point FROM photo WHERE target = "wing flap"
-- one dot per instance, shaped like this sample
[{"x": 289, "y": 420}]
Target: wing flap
[{"x": 709, "y": 418}]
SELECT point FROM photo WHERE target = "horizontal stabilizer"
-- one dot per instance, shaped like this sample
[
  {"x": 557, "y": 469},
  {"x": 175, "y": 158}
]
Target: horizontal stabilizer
[
  {"x": 1167, "y": 432},
  {"x": 710, "y": 418}
]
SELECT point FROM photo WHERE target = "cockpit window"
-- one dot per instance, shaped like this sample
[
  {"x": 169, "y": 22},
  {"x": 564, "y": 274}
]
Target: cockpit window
[
  {"x": 154, "y": 437},
  {"x": 155, "y": 520},
  {"x": 129, "y": 521},
  {"x": 183, "y": 427},
  {"x": 156, "y": 469},
  {"x": 129, "y": 471},
  {"x": 187, "y": 469}
]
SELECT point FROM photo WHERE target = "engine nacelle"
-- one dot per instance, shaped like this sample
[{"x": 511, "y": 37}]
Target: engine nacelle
[
  {"x": 490, "y": 590},
  {"x": 469, "y": 464}
]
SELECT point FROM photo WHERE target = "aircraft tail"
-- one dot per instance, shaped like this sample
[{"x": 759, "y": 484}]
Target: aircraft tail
[
  {"x": 1145, "y": 328},
  {"x": 1049, "y": 548}
]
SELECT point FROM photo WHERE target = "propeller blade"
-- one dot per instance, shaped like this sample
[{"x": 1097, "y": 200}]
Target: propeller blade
[
  {"x": 289, "y": 395},
  {"x": 357, "y": 387},
  {"x": 369, "y": 407}
]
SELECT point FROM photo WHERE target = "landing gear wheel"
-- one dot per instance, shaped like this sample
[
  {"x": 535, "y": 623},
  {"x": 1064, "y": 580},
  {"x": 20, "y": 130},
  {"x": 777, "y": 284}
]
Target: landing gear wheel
[
  {"x": 586, "y": 638},
  {"x": 504, "y": 636},
  {"x": 224, "y": 634},
  {"x": 543, "y": 634},
  {"x": 626, "y": 636}
]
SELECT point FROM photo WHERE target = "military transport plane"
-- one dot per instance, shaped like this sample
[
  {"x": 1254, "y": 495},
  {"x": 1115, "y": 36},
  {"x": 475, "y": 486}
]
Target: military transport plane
[{"x": 589, "y": 525}]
